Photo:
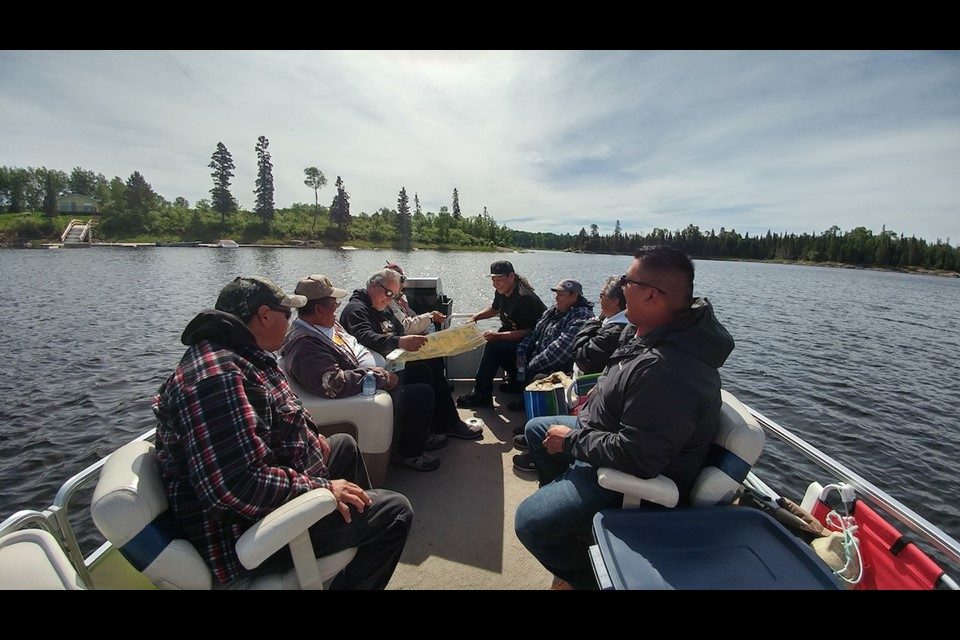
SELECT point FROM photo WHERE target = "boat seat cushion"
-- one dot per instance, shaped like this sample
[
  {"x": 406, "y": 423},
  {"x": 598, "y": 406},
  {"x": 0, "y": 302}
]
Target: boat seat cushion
[
  {"x": 736, "y": 447},
  {"x": 130, "y": 509},
  {"x": 32, "y": 559}
]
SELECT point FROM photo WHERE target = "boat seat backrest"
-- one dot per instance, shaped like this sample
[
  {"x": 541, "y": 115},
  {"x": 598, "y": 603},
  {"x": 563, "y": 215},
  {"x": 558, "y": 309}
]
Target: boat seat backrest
[
  {"x": 735, "y": 449},
  {"x": 130, "y": 509},
  {"x": 32, "y": 559}
]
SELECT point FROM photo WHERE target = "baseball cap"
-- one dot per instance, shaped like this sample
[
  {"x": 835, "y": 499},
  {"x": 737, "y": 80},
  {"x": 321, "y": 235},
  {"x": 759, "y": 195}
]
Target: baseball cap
[
  {"x": 243, "y": 297},
  {"x": 318, "y": 286},
  {"x": 569, "y": 285}
]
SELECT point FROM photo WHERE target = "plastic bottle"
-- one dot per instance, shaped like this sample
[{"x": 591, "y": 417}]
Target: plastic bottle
[{"x": 369, "y": 384}]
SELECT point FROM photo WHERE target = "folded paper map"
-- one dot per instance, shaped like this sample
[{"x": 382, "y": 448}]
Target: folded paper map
[{"x": 442, "y": 344}]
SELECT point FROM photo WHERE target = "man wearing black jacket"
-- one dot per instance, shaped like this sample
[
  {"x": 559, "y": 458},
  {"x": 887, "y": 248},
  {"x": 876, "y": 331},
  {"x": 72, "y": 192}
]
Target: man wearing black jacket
[
  {"x": 655, "y": 411},
  {"x": 365, "y": 318}
]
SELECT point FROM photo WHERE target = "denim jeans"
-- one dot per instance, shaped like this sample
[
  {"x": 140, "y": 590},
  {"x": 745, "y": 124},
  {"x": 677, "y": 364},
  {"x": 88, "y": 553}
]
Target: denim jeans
[
  {"x": 495, "y": 355},
  {"x": 554, "y": 523}
]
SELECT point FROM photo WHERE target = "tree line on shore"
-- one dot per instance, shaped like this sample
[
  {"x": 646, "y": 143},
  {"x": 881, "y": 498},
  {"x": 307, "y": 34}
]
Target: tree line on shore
[
  {"x": 858, "y": 246},
  {"x": 131, "y": 210}
]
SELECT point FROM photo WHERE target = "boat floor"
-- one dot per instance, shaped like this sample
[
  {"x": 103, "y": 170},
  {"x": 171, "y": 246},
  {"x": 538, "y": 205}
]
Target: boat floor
[{"x": 463, "y": 534}]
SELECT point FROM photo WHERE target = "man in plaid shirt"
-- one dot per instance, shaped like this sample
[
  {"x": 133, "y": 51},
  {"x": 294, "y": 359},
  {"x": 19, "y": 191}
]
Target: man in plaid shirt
[{"x": 234, "y": 443}]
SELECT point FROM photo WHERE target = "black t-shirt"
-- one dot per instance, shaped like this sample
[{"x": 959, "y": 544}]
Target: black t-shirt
[{"x": 520, "y": 310}]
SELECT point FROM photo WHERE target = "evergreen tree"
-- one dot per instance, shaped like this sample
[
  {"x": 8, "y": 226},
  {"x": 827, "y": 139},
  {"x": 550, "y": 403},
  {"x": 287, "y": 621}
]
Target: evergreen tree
[
  {"x": 50, "y": 196},
  {"x": 403, "y": 219},
  {"x": 222, "y": 164},
  {"x": 340, "y": 208},
  {"x": 316, "y": 181},
  {"x": 456, "y": 206},
  {"x": 141, "y": 199},
  {"x": 263, "y": 206},
  {"x": 581, "y": 239},
  {"x": 181, "y": 203},
  {"x": 416, "y": 202}
]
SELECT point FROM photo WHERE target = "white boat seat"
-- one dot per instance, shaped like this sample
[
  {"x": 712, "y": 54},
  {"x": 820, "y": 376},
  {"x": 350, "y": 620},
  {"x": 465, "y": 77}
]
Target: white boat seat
[
  {"x": 130, "y": 509},
  {"x": 32, "y": 559},
  {"x": 369, "y": 419},
  {"x": 736, "y": 447}
]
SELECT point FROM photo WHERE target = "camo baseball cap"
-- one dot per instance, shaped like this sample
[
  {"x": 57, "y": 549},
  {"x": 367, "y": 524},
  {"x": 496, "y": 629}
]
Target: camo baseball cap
[{"x": 243, "y": 297}]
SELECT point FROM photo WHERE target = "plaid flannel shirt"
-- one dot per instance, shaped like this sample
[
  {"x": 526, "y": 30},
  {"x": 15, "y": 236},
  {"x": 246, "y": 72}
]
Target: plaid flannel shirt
[
  {"x": 549, "y": 347},
  {"x": 234, "y": 443}
]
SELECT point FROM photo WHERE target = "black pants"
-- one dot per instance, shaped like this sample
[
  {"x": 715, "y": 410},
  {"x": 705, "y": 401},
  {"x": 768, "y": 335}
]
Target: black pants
[
  {"x": 379, "y": 533},
  {"x": 413, "y": 417},
  {"x": 431, "y": 372}
]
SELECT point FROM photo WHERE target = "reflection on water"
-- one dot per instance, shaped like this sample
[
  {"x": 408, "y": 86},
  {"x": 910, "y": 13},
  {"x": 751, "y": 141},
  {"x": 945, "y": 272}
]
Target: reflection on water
[{"x": 863, "y": 364}]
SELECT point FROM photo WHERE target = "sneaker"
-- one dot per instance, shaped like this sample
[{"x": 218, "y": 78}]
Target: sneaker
[
  {"x": 461, "y": 429},
  {"x": 516, "y": 405},
  {"x": 471, "y": 400},
  {"x": 520, "y": 442},
  {"x": 524, "y": 462},
  {"x": 511, "y": 387},
  {"x": 422, "y": 462},
  {"x": 435, "y": 441}
]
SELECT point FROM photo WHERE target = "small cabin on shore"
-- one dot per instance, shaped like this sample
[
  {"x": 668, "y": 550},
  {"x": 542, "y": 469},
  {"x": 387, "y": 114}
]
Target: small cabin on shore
[{"x": 76, "y": 203}]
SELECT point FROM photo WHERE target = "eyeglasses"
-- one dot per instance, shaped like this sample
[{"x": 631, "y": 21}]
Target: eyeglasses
[
  {"x": 286, "y": 311},
  {"x": 387, "y": 292},
  {"x": 624, "y": 280}
]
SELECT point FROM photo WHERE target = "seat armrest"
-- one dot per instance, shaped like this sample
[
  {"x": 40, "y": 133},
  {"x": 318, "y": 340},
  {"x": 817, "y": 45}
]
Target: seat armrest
[
  {"x": 661, "y": 490},
  {"x": 281, "y": 526}
]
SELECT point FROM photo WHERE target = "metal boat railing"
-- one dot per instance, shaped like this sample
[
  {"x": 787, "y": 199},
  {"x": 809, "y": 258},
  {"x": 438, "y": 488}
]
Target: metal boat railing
[
  {"x": 59, "y": 511},
  {"x": 896, "y": 509}
]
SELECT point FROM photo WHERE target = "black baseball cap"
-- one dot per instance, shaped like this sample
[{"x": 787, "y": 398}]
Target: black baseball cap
[{"x": 501, "y": 268}]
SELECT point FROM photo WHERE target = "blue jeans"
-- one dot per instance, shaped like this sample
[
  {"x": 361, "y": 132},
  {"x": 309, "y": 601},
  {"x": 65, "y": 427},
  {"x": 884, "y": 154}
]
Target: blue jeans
[
  {"x": 495, "y": 355},
  {"x": 554, "y": 523}
]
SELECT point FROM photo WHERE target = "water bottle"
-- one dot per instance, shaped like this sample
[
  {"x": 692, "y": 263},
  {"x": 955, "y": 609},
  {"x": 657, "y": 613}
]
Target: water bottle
[
  {"x": 521, "y": 372},
  {"x": 369, "y": 384}
]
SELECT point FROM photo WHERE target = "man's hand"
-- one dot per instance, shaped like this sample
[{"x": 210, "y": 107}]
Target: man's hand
[
  {"x": 348, "y": 494},
  {"x": 438, "y": 317},
  {"x": 553, "y": 443},
  {"x": 412, "y": 343},
  {"x": 324, "y": 448},
  {"x": 491, "y": 336},
  {"x": 392, "y": 379}
]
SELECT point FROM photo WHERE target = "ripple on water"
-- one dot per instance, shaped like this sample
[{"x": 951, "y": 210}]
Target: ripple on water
[{"x": 862, "y": 364}]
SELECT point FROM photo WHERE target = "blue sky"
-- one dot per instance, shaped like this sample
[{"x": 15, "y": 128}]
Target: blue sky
[{"x": 788, "y": 141}]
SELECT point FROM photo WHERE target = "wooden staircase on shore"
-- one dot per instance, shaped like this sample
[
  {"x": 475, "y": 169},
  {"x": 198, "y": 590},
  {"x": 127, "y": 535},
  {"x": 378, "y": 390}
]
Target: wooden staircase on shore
[{"x": 77, "y": 233}]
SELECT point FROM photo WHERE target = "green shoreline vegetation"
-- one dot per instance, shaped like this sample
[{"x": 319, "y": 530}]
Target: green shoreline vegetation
[{"x": 130, "y": 211}]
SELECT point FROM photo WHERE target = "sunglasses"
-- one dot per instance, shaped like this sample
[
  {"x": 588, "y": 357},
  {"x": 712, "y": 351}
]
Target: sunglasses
[
  {"x": 387, "y": 292},
  {"x": 624, "y": 280}
]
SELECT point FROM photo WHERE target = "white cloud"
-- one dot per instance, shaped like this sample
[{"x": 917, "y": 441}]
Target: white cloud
[{"x": 553, "y": 140}]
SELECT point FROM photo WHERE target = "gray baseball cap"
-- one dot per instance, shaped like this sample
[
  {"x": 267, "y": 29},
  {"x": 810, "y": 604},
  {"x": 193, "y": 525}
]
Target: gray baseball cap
[
  {"x": 569, "y": 285},
  {"x": 243, "y": 297}
]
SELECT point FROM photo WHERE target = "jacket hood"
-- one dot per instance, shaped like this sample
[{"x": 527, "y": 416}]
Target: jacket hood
[
  {"x": 220, "y": 327},
  {"x": 361, "y": 295},
  {"x": 696, "y": 332}
]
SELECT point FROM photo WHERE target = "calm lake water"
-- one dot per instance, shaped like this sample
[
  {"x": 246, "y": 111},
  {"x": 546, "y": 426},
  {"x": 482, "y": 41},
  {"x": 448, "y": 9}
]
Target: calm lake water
[{"x": 862, "y": 364}]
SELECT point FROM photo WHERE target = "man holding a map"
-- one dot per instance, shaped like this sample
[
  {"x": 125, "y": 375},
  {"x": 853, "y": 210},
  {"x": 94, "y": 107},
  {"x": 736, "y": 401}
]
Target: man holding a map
[{"x": 366, "y": 318}]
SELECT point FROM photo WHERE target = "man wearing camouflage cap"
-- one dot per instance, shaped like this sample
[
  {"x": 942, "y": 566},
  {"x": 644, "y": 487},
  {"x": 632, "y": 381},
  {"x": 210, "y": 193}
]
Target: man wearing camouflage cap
[{"x": 234, "y": 443}]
